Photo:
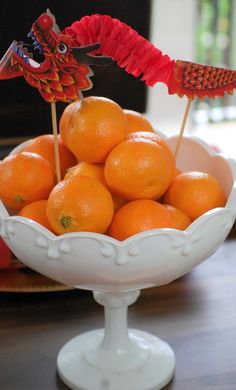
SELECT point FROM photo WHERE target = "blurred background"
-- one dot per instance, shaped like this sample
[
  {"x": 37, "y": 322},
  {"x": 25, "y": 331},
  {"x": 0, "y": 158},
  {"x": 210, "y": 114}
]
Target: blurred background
[{"x": 202, "y": 31}]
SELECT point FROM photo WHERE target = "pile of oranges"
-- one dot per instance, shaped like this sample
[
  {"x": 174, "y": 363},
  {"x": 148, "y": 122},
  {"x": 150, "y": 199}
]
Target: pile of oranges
[{"x": 119, "y": 176}]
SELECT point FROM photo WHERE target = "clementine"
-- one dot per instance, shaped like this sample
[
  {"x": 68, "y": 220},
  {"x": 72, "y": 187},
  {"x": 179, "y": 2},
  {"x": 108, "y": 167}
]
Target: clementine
[
  {"x": 24, "y": 178},
  {"x": 97, "y": 172},
  {"x": 37, "y": 212},
  {"x": 44, "y": 146},
  {"x": 194, "y": 193},
  {"x": 80, "y": 204},
  {"x": 136, "y": 122},
  {"x": 92, "y": 127},
  {"x": 180, "y": 220},
  {"x": 87, "y": 169},
  {"x": 137, "y": 216},
  {"x": 177, "y": 171},
  {"x": 155, "y": 138},
  {"x": 138, "y": 169}
]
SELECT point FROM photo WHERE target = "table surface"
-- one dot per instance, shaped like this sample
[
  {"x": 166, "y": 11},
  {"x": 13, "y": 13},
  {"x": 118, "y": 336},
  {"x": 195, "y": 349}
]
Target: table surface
[{"x": 195, "y": 314}]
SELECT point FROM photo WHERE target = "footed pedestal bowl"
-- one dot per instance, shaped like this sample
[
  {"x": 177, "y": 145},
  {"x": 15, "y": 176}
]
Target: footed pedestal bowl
[{"x": 116, "y": 357}]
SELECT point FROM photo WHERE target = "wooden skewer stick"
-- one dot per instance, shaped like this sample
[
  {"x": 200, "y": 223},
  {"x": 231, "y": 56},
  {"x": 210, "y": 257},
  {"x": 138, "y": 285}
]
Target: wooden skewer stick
[
  {"x": 186, "y": 112},
  {"x": 56, "y": 148}
]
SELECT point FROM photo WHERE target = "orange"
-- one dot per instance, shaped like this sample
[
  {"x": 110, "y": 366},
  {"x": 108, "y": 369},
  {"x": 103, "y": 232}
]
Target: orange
[
  {"x": 180, "y": 220},
  {"x": 37, "y": 212},
  {"x": 92, "y": 127},
  {"x": 44, "y": 146},
  {"x": 24, "y": 178},
  {"x": 155, "y": 138},
  {"x": 177, "y": 171},
  {"x": 194, "y": 193},
  {"x": 138, "y": 169},
  {"x": 80, "y": 204},
  {"x": 137, "y": 216},
  {"x": 136, "y": 122},
  {"x": 87, "y": 169},
  {"x": 97, "y": 172}
]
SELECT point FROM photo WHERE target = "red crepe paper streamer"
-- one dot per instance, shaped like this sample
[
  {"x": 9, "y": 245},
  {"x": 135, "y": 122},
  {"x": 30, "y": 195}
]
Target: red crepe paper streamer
[
  {"x": 130, "y": 50},
  {"x": 140, "y": 58}
]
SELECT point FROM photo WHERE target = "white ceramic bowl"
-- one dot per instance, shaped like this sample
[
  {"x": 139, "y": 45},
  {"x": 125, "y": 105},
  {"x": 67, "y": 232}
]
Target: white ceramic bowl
[
  {"x": 116, "y": 270},
  {"x": 152, "y": 258}
]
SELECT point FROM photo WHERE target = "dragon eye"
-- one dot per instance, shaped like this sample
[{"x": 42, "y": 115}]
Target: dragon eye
[{"x": 62, "y": 48}]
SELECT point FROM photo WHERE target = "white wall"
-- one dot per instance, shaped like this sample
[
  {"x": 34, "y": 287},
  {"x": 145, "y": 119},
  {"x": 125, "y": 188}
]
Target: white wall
[{"x": 172, "y": 31}]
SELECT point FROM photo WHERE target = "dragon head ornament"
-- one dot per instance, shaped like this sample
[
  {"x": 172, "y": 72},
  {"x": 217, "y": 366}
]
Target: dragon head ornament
[{"x": 61, "y": 71}]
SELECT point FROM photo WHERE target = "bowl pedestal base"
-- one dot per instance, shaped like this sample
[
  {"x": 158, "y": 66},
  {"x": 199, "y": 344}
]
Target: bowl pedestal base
[{"x": 116, "y": 357}]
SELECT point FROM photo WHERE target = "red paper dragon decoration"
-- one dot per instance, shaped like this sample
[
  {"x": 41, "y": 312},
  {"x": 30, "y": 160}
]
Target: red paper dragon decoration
[{"x": 65, "y": 70}]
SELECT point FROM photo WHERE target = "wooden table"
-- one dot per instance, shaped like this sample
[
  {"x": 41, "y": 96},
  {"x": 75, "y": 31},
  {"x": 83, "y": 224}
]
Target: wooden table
[{"x": 196, "y": 315}]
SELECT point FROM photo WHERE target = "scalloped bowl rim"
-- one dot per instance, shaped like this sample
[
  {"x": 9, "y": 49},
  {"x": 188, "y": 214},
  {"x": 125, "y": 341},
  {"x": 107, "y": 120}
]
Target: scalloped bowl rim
[{"x": 53, "y": 237}]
